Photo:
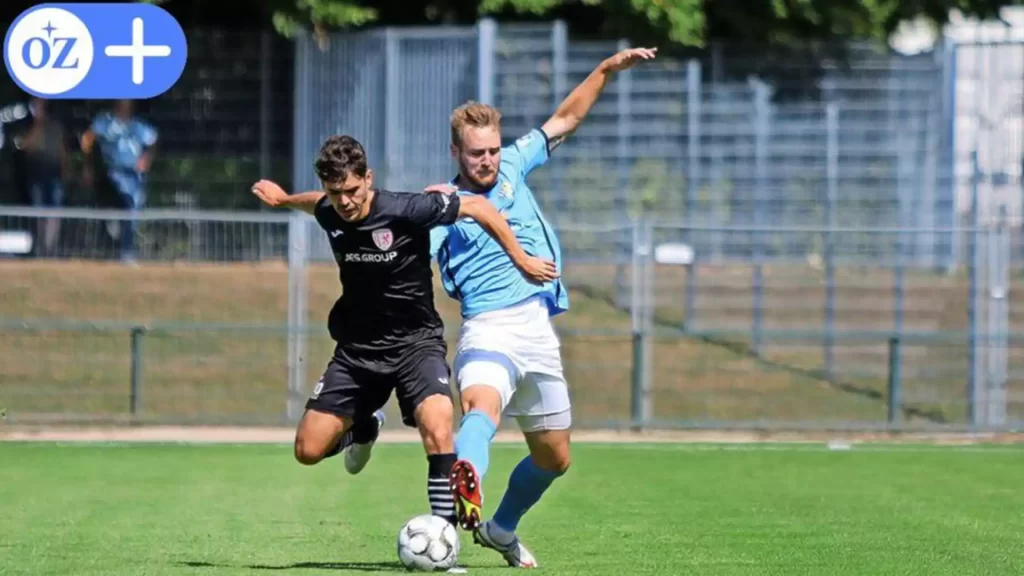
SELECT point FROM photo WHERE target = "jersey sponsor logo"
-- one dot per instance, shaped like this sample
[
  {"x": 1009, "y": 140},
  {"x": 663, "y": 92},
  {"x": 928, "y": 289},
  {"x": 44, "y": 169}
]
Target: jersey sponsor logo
[
  {"x": 370, "y": 257},
  {"x": 317, "y": 389},
  {"x": 506, "y": 191},
  {"x": 336, "y": 233},
  {"x": 524, "y": 140},
  {"x": 383, "y": 238}
]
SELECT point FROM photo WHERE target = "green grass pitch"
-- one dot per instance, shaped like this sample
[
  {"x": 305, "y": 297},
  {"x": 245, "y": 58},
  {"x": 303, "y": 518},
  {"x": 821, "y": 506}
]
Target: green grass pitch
[{"x": 623, "y": 509}]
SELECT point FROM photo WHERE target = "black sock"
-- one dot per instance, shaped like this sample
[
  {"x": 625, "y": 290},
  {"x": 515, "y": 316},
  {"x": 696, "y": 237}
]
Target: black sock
[
  {"x": 361, "y": 432},
  {"x": 438, "y": 472}
]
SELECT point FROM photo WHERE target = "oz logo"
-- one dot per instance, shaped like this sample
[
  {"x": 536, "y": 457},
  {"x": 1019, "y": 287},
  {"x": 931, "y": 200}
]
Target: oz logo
[
  {"x": 95, "y": 51},
  {"x": 50, "y": 51}
]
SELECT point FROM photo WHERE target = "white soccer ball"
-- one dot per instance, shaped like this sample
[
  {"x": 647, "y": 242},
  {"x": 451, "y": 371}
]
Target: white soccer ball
[{"x": 427, "y": 543}]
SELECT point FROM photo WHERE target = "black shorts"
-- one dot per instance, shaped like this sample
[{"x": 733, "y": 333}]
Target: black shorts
[{"x": 355, "y": 392}]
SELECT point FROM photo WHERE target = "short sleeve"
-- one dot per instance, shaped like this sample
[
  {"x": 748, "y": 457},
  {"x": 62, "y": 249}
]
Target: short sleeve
[
  {"x": 319, "y": 210},
  {"x": 431, "y": 209},
  {"x": 438, "y": 236},
  {"x": 529, "y": 151},
  {"x": 100, "y": 124},
  {"x": 146, "y": 133}
]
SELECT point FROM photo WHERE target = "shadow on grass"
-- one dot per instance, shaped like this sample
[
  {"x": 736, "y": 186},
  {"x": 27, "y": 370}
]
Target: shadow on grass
[{"x": 356, "y": 566}]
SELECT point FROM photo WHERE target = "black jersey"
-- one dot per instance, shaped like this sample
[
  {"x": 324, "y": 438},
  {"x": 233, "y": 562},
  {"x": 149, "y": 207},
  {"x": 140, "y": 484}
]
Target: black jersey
[{"x": 387, "y": 301}]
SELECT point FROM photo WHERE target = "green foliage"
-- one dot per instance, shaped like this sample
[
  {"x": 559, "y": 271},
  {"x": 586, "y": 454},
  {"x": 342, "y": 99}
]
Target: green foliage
[
  {"x": 681, "y": 21},
  {"x": 291, "y": 16},
  {"x": 659, "y": 22},
  {"x": 694, "y": 22},
  {"x": 322, "y": 14}
]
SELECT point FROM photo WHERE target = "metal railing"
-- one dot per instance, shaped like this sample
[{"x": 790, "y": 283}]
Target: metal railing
[
  {"x": 184, "y": 373},
  {"x": 671, "y": 325}
]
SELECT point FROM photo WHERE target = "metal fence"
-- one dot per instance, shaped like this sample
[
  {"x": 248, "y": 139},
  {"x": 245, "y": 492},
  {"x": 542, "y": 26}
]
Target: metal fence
[
  {"x": 751, "y": 239},
  {"x": 804, "y": 142},
  {"x": 226, "y": 123},
  {"x": 209, "y": 325}
]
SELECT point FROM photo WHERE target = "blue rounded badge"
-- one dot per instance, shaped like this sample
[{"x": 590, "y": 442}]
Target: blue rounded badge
[{"x": 95, "y": 51}]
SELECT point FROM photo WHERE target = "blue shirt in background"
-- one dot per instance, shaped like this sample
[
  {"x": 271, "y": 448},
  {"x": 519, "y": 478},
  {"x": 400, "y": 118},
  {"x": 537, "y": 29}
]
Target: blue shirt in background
[{"x": 121, "y": 144}]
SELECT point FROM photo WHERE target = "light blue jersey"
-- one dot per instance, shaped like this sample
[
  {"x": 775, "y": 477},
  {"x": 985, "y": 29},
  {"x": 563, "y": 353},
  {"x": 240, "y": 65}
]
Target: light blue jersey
[{"x": 474, "y": 268}]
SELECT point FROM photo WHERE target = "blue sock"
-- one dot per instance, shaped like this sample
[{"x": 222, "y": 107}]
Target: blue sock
[
  {"x": 473, "y": 440},
  {"x": 526, "y": 485}
]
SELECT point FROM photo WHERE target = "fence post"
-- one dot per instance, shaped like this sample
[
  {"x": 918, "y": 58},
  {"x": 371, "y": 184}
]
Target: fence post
[
  {"x": 908, "y": 183},
  {"x": 394, "y": 168},
  {"x": 972, "y": 298},
  {"x": 831, "y": 196},
  {"x": 642, "y": 306},
  {"x": 895, "y": 380},
  {"x": 624, "y": 91},
  {"x": 763, "y": 127},
  {"x": 135, "y": 395},
  {"x": 298, "y": 252},
  {"x": 559, "y": 90},
  {"x": 636, "y": 395},
  {"x": 999, "y": 319},
  {"x": 487, "y": 33},
  {"x": 693, "y": 117},
  {"x": 950, "y": 173}
]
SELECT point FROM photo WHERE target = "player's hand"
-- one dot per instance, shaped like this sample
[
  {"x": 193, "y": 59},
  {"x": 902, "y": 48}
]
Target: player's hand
[
  {"x": 270, "y": 193},
  {"x": 628, "y": 58},
  {"x": 441, "y": 189},
  {"x": 538, "y": 269}
]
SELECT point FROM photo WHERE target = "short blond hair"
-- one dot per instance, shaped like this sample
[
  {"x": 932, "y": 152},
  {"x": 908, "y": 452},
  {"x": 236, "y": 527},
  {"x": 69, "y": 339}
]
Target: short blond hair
[{"x": 473, "y": 115}]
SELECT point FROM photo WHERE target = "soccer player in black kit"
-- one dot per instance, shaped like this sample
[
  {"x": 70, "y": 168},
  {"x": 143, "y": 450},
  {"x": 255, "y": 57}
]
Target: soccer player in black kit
[{"x": 389, "y": 336}]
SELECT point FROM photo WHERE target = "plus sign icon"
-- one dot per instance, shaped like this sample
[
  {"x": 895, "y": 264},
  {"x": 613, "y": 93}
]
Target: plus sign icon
[{"x": 95, "y": 51}]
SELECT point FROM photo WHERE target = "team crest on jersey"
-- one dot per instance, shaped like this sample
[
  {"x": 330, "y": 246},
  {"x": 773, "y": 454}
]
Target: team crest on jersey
[
  {"x": 383, "y": 238},
  {"x": 506, "y": 191}
]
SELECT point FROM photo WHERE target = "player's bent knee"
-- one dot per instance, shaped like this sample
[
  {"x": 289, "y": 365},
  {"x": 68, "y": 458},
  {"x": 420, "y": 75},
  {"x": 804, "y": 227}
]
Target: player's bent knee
[
  {"x": 318, "y": 432},
  {"x": 482, "y": 398},
  {"x": 306, "y": 453}
]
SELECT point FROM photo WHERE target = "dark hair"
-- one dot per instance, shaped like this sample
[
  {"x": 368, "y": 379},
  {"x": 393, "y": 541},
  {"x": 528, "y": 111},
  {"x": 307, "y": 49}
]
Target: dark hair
[{"x": 339, "y": 157}]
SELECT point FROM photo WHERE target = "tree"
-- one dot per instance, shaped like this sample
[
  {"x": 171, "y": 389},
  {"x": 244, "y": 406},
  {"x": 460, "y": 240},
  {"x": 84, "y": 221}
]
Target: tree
[
  {"x": 290, "y": 16},
  {"x": 696, "y": 22},
  {"x": 683, "y": 23}
]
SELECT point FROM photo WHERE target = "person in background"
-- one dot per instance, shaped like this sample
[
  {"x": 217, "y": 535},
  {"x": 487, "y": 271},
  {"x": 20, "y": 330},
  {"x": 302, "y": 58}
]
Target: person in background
[
  {"x": 126, "y": 145},
  {"x": 14, "y": 120},
  {"x": 47, "y": 166}
]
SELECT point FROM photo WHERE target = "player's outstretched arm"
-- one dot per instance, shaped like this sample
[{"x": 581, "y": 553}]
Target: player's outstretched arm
[
  {"x": 577, "y": 104},
  {"x": 274, "y": 196},
  {"x": 485, "y": 214}
]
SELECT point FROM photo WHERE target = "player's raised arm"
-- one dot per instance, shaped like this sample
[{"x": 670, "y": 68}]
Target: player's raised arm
[
  {"x": 440, "y": 209},
  {"x": 577, "y": 104},
  {"x": 274, "y": 196}
]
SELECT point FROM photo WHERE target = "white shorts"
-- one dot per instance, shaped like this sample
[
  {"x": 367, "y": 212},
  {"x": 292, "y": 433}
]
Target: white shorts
[{"x": 516, "y": 351}]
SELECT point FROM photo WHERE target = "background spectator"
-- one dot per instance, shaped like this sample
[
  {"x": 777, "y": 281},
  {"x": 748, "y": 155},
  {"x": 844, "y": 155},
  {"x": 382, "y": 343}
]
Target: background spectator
[
  {"x": 126, "y": 146},
  {"x": 47, "y": 166}
]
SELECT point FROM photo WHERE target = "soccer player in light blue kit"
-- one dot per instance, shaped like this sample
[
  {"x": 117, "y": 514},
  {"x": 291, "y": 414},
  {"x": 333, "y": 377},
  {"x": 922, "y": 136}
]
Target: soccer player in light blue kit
[{"x": 507, "y": 357}]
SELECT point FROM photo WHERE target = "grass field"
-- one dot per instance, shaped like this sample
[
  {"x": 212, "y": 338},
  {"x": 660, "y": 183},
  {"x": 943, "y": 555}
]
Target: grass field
[
  {"x": 220, "y": 510},
  {"x": 192, "y": 372}
]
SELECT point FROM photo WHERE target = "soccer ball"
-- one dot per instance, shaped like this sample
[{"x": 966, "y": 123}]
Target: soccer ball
[{"x": 427, "y": 543}]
